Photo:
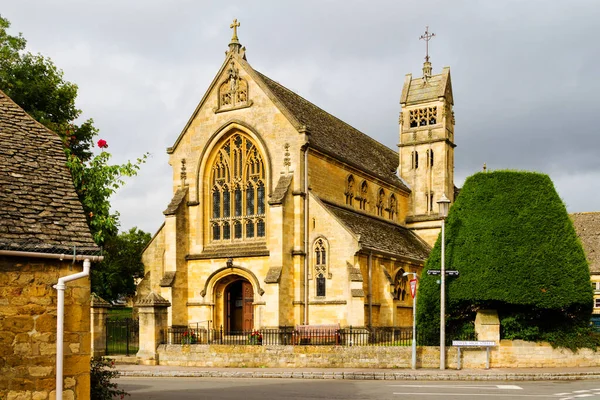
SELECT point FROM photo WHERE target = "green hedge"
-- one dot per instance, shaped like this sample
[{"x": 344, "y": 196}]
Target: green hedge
[{"x": 509, "y": 235}]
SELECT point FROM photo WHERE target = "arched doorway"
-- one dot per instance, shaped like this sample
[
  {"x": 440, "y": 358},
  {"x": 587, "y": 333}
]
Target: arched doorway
[{"x": 239, "y": 307}]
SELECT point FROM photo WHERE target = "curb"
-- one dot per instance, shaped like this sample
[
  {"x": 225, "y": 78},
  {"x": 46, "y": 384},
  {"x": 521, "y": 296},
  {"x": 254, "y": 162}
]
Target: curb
[{"x": 370, "y": 375}]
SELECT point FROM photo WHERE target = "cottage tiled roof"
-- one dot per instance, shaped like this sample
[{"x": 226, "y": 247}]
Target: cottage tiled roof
[
  {"x": 587, "y": 226},
  {"x": 380, "y": 235},
  {"x": 39, "y": 208},
  {"x": 334, "y": 137}
]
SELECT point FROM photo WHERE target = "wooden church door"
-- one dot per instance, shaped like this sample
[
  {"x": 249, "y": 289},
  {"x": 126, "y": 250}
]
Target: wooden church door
[{"x": 248, "y": 300}]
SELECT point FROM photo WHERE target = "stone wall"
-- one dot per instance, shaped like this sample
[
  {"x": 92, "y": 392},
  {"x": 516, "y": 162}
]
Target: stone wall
[
  {"x": 509, "y": 354},
  {"x": 28, "y": 330}
]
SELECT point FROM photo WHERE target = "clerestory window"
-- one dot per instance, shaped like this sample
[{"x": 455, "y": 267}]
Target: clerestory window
[{"x": 238, "y": 191}]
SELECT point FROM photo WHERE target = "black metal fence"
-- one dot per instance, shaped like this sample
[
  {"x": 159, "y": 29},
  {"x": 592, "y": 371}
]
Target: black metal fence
[
  {"x": 289, "y": 335},
  {"x": 122, "y": 336}
]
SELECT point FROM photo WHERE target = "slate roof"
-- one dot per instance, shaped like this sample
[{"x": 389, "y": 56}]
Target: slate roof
[
  {"x": 281, "y": 189},
  {"x": 380, "y": 235},
  {"x": 338, "y": 139},
  {"x": 39, "y": 208},
  {"x": 587, "y": 226},
  {"x": 418, "y": 91},
  {"x": 176, "y": 201}
]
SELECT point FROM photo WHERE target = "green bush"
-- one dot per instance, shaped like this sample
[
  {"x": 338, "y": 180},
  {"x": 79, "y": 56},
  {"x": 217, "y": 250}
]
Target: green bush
[
  {"x": 511, "y": 239},
  {"x": 101, "y": 374}
]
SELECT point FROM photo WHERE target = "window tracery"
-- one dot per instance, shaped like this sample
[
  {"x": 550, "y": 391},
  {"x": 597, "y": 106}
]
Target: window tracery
[
  {"x": 238, "y": 191},
  {"x": 320, "y": 251},
  {"x": 400, "y": 282},
  {"x": 423, "y": 116}
]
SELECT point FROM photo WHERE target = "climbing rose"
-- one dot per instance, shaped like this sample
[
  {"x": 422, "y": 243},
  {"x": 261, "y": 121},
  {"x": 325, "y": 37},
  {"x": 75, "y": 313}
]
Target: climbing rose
[{"x": 102, "y": 144}]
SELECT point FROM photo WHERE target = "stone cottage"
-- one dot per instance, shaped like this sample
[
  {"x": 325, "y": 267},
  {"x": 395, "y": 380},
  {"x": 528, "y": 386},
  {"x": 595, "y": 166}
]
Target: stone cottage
[{"x": 43, "y": 236}]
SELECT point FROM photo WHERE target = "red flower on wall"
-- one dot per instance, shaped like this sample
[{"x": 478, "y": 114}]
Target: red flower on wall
[{"x": 102, "y": 144}]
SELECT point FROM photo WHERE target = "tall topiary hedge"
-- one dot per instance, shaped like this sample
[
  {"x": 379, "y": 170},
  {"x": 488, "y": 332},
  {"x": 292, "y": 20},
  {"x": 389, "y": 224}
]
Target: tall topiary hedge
[{"x": 511, "y": 239}]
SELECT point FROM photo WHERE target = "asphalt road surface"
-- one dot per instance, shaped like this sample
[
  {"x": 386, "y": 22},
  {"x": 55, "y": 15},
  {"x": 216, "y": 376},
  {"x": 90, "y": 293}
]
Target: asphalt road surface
[{"x": 292, "y": 389}]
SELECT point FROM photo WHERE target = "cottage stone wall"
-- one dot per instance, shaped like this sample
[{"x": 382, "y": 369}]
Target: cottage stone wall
[
  {"x": 509, "y": 354},
  {"x": 28, "y": 330}
]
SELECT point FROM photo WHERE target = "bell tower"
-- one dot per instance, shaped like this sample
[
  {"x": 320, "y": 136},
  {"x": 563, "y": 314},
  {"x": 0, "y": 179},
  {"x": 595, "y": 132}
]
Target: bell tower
[{"x": 426, "y": 145}]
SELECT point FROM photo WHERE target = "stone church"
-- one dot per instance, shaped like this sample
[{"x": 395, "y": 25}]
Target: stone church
[{"x": 283, "y": 214}]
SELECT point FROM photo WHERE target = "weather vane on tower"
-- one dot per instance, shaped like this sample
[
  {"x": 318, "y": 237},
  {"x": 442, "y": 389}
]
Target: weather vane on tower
[{"x": 426, "y": 65}]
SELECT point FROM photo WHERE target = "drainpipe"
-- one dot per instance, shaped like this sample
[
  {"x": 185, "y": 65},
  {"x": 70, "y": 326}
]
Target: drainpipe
[
  {"x": 370, "y": 288},
  {"x": 61, "y": 286},
  {"x": 306, "y": 251}
]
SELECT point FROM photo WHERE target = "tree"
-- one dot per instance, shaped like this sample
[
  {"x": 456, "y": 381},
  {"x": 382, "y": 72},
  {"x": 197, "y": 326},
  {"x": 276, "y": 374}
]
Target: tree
[
  {"x": 38, "y": 86},
  {"x": 122, "y": 263},
  {"x": 511, "y": 239}
]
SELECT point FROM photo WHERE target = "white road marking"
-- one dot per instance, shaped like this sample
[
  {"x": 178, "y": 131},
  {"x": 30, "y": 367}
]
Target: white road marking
[
  {"x": 512, "y": 396},
  {"x": 501, "y": 387}
]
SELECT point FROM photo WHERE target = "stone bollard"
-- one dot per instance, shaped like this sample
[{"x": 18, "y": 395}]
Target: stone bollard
[
  {"x": 153, "y": 314},
  {"x": 99, "y": 312}
]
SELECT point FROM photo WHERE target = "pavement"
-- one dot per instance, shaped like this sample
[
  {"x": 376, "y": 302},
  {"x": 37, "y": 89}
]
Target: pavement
[{"x": 494, "y": 374}]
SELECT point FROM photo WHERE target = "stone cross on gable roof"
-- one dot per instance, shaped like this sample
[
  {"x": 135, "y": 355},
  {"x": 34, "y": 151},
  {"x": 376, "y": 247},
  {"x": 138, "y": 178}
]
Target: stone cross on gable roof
[{"x": 234, "y": 26}]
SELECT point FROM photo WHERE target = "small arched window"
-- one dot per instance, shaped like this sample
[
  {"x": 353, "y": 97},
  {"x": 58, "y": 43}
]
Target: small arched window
[
  {"x": 415, "y": 160},
  {"x": 380, "y": 202},
  {"x": 393, "y": 207},
  {"x": 430, "y": 157},
  {"x": 349, "y": 190},
  {"x": 364, "y": 194},
  {"x": 320, "y": 252}
]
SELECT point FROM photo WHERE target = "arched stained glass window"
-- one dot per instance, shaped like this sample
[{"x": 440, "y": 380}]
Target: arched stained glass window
[{"x": 238, "y": 190}]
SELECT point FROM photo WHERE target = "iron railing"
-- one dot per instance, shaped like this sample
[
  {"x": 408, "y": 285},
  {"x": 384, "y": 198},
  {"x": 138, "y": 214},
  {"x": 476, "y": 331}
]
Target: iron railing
[{"x": 289, "y": 335}]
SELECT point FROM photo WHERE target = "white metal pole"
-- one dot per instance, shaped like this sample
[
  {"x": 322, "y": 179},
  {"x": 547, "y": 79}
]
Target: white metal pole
[
  {"x": 60, "y": 323},
  {"x": 443, "y": 302},
  {"x": 414, "y": 342}
]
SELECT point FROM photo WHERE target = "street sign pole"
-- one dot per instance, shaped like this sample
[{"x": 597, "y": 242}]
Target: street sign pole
[
  {"x": 443, "y": 302},
  {"x": 413, "y": 291}
]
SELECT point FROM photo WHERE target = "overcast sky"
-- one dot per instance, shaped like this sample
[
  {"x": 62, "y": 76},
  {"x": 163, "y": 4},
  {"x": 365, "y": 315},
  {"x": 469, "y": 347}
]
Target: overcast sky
[{"x": 524, "y": 75}]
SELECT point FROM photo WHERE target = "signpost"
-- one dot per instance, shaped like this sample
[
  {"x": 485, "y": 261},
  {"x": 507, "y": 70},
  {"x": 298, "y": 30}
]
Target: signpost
[
  {"x": 438, "y": 272},
  {"x": 413, "y": 293},
  {"x": 413, "y": 288}
]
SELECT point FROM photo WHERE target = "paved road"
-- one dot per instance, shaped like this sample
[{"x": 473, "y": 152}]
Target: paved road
[{"x": 293, "y": 389}]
